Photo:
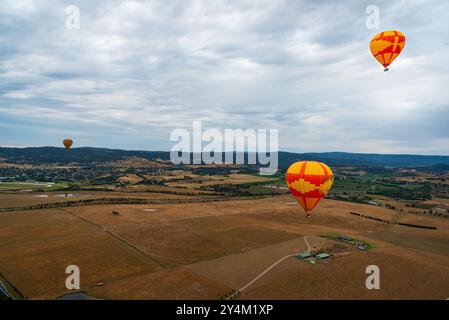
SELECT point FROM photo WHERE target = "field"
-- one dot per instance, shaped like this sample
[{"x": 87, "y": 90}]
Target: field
[
  {"x": 17, "y": 186},
  {"x": 204, "y": 250},
  {"x": 14, "y": 200},
  {"x": 145, "y": 229},
  {"x": 197, "y": 181}
]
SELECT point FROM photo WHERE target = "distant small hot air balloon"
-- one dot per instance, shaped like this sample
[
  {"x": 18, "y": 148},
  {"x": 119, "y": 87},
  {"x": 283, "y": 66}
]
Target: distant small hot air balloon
[
  {"x": 309, "y": 182},
  {"x": 67, "y": 143},
  {"x": 386, "y": 46}
]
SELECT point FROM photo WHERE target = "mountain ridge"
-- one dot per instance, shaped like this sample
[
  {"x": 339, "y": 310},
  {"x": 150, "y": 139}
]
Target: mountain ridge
[{"x": 84, "y": 155}]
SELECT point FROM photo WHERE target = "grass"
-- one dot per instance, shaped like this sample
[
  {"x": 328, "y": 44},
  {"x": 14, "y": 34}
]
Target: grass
[
  {"x": 258, "y": 183},
  {"x": 334, "y": 236},
  {"x": 349, "y": 186},
  {"x": 260, "y": 190},
  {"x": 421, "y": 205},
  {"x": 30, "y": 185}
]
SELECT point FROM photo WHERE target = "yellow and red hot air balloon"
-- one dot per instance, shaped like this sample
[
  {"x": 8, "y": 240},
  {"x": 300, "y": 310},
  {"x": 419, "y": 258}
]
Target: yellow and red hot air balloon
[
  {"x": 309, "y": 182},
  {"x": 386, "y": 46},
  {"x": 67, "y": 143}
]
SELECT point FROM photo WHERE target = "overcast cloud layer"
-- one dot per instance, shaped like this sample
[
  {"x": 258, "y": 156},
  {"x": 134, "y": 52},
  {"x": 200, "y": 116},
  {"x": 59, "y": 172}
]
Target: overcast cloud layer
[{"x": 138, "y": 69}]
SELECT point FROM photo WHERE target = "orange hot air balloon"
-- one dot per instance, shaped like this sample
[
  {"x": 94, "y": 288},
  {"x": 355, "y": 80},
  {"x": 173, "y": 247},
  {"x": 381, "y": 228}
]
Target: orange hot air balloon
[
  {"x": 67, "y": 143},
  {"x": 386, "y": 46},
  {"x": 309, "y": 182}
]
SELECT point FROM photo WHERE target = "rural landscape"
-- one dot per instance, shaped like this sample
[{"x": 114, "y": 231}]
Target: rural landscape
[
  {"x": 139, "y": 227},
  {"x": 224, "y": 159}
]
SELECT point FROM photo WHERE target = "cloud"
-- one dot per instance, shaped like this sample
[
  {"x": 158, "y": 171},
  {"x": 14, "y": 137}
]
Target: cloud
[{"x": 135, "y": 70}]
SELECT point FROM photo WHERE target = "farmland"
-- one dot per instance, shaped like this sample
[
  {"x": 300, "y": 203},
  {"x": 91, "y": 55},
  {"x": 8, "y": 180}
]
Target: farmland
[
  {"x": 148, "y": 230},
  {"x": 212, "y": 248}
]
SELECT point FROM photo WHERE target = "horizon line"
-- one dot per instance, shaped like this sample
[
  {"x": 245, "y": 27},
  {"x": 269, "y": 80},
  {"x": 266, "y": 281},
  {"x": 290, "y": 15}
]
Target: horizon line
[{"x": 294, "y": 152}]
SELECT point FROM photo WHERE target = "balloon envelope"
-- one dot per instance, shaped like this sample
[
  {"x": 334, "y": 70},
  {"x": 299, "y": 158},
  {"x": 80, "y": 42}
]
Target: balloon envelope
[
  {"x": 386, "y": 46},
  {"x": 309, "y": 182},
  {"x": 68, "y": 143}
]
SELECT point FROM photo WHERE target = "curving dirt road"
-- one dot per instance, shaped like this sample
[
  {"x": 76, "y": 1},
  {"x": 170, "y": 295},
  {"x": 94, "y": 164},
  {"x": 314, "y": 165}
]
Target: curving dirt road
[{"x": 270, "y": 267}]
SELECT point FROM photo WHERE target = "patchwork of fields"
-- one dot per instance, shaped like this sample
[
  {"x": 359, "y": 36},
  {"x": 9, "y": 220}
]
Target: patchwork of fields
[{"x": 204, "y": 250}]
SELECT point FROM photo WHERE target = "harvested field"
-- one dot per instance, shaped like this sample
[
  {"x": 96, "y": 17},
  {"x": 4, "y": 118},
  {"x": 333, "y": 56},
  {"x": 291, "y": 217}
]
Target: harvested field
[
  {"x": 191, "y": 240},
  {"x": 24, "y": 227},
  {"x": 236, "y": 270},
  {"x": 38, "y": 268},
  {"x": 427, "y": 243},
  {"x": 404, "y": 275},
  {"x": 177, "y": 283},
  {"x": 205, "y": 250},
  {"x": 166, "y": 189},
  {"x": 11, "y": 200},
  {"x": 218, "y": 180},
  {"x": 130, "y": 178}
]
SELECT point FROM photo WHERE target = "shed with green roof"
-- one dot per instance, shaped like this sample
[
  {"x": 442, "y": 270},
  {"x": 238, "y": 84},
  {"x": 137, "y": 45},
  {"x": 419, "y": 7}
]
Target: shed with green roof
[
  {"x": 322, "y": 256},
  {"x": 304, "y": 255}
]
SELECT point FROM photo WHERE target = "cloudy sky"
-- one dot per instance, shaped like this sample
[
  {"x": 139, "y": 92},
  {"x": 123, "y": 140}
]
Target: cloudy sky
[{"x": 136, "y": 70}]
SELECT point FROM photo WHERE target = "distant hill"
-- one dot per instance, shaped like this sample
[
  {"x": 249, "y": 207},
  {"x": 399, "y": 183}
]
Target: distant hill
[
  {"x": 43, "y": 155},
  {"x": 365, "y": 159},
  {"x": 436, "y": 168}
]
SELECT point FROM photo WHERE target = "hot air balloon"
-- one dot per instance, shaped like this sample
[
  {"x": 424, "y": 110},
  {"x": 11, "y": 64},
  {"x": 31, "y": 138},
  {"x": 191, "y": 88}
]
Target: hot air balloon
[
  {"x": 386, "y": 46},
  {"x": 67, "y": 143},
  {"x": 309, "y": 182}
]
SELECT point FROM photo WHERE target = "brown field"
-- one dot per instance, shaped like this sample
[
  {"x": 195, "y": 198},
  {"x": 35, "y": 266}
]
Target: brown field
[
  {"x": 11, "y": 200},
  {"x": 174, "y": 190},
  {"x": 42, "y": 243},
  {"x": 419, "y": 176},
  {"x": 171, "y": 284},
  {"x": 136, "y": 162},
  {"x": 438, "y": 201},
  {"x": 130, "y": 178},
  {"x": 36, "y": 226},
  {"x": 405, "y": 274},
  {"x": 217, "y": 180},
  {"x": 205, "y": 250},
  {"x": 191, "y": 240}
]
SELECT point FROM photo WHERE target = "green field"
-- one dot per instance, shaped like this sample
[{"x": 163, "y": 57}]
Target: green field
[
  {"x": 30, "y": 185},
  {"x": 334, "y": 236}
]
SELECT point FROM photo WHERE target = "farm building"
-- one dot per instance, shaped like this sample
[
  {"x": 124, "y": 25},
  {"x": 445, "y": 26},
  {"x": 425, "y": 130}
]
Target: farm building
[
  {"x": 322, "y": 256},
  {"x": 304, "y": 255},
  {"x": 441, "y": 210},
  {"x": 345, "y": 238}
]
